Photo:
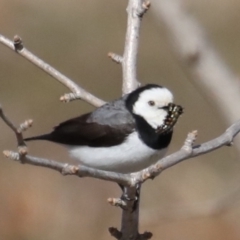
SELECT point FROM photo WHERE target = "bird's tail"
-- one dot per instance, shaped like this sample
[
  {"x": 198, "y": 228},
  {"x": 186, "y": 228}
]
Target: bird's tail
[{"x": 40, "y": 137}]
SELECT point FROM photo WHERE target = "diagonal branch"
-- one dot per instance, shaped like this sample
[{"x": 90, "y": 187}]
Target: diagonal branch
[
  {"x": 78, "y": 91},
  {"x": 226, "y": 139},
  {"x": 22, "y": 148}
]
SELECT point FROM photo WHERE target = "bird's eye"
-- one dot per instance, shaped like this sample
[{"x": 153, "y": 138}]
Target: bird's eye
[{"x": 151, "y": 103}]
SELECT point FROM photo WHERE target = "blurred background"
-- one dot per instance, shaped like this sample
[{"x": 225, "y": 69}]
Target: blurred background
[{"x": 197, "y": 199}]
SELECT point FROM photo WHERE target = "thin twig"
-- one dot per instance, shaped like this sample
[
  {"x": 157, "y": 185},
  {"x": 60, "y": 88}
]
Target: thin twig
[
  {"x": 115, "y": 232},
  {"x": 115, "y": 57},
  {"x": 117, "y": 202},
  {"x": 81, "y": 93},
  {"x": 22, "y": 149}
]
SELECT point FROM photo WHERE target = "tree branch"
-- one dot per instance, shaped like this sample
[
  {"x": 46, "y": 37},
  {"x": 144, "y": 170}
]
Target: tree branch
[
  {"x": 135, "y": 11},
  {"x": 78, "y": 92},
  {"x": 22, "y": 149},
  {"x": 129, "y": 62}
]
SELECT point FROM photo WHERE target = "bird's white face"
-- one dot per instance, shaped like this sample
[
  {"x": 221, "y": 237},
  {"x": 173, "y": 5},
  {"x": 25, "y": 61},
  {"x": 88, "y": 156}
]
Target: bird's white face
[{"x": 152, "y": 105}]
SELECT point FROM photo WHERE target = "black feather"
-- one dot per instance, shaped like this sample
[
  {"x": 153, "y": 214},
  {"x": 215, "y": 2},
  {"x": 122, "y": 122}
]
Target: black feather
[
  {"x": 41, "y": 137},
  {"x": 107, "y": 126},
  {"x": 82, "y": 131}
]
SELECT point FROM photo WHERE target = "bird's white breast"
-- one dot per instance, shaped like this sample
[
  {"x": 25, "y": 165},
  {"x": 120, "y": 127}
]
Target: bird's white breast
[{"x": 130, "y": 156}]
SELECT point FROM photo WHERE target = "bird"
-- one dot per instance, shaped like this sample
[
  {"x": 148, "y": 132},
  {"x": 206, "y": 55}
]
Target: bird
[{"x": 122, "y": 136}]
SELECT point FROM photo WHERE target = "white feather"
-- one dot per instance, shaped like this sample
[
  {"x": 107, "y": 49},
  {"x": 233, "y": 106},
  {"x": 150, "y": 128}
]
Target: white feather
[
  {"x": 130, "y": 156},
  {"x": 154, "y": 115}
]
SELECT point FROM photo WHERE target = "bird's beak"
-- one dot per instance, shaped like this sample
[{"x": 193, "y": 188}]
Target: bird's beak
[{"x": 174, "y": 112}]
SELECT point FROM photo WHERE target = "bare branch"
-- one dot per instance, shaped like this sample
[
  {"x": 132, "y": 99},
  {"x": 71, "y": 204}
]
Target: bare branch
[
  {"x": 68, "y": 97},
  {"x": 117, "y": 202},
  {"x": 129, "y": 62},
  {"x": 68, "y": 169},
  {"x": 115, "y": 232},
  {"x": 145, "y": 236},
  {"x": 118, "y": 235},
  {"x": 115, "y": 57},
  {"x": 130, "y": 219},
  {"x": 22, "y": 149},
  {"x": 17, "y": 46},
  {"x": 25, "y": 125},
  {"x": 145, "y": 7},
  {"x": 188, "y": 144}
]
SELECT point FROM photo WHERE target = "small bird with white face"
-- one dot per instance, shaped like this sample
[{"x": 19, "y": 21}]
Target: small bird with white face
[{"x": 126, "y": 135}]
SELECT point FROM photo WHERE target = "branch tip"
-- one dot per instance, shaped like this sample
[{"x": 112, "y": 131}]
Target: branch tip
[
  {"x": 230, "y": 144},
  {"x": 25, "y": 125},
  {"x": 190, "y": 140},
  {"x": 68, "y": 97},
  {"x": 11, "y": 155},
  {"x": 115, "y": 57},
  {"x": 144, "y": 8},
  {"x": 146, "y": 175},
  {"x": 145, "y": 236},
  {"x": 18, "y": 43},
  {"x": 146, "y": 5},
  {"x": 117, "y": 202},
  {"x": 149, "y": 173},
  {"x": 22, "y": 150},
  {"x": 115, "y": 232},
  {"x": 69, "y": 169}
]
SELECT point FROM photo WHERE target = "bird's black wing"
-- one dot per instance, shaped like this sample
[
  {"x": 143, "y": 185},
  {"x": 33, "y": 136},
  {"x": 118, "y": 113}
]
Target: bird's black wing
[
  {"x": 79, "y": 131},
  {"x": 107, "y": 126}
]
